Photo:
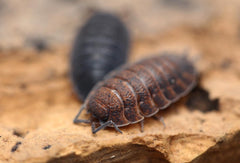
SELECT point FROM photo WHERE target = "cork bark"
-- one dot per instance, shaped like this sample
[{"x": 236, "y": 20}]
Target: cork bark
[{"x": 37, "y": 102}]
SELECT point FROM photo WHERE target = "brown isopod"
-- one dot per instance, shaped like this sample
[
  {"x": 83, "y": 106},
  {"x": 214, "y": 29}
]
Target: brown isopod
[{"x": 129, "y": 94}]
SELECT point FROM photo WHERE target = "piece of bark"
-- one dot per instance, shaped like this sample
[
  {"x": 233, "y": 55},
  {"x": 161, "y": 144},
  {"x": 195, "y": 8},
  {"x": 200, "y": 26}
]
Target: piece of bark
[{"x": 40, "y": 114}]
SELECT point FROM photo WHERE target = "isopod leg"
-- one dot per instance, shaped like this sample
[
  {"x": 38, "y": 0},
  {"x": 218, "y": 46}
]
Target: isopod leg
[
  {"x": 103, "y": 126},
  {"x": 142, "y": 126},
  {"x": 161, "y": 119},
  {"x": 76, "y": 120}
]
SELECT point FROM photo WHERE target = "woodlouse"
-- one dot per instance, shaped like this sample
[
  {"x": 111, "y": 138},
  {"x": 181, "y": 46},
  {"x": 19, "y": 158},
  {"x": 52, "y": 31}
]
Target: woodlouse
[
  {"x": 100, "y": 46},
  {"x": 129, "y": 94}
]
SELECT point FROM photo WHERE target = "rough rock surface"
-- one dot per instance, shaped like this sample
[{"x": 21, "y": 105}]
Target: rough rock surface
[{"x": 37, "y": 103}]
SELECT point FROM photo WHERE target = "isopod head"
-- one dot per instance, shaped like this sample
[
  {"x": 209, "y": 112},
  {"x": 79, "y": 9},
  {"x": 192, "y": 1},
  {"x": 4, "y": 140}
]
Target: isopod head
[{"x": 105, "y": 105}]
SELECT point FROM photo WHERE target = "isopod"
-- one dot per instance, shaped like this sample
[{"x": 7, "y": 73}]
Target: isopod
[
  {"x": 131, "y": 93},
  {"x": 100, "y": 46}
]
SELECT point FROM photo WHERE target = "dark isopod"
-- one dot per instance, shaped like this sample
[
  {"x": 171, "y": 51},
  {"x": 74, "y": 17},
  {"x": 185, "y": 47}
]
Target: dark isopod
[
  {"x": 101, "y": 45},
  {"x": 129, "y": 94}
]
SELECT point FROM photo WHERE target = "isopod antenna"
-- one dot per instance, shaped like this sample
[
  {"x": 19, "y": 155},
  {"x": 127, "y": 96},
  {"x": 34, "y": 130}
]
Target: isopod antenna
[{"x": 76, "y": 120}]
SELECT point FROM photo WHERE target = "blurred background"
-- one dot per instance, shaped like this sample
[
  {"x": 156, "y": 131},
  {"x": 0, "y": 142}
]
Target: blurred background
[{"x": 55, "y": 22}]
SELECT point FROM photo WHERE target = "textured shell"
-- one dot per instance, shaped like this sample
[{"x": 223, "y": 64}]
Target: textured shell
[
  {"x": 129, "y": 94},
  {"x": 100, "y": 46}
]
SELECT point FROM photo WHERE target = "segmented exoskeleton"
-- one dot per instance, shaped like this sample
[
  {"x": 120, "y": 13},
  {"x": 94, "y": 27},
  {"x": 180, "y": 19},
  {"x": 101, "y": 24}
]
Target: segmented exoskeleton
[{"x": 133, "y": 92}]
